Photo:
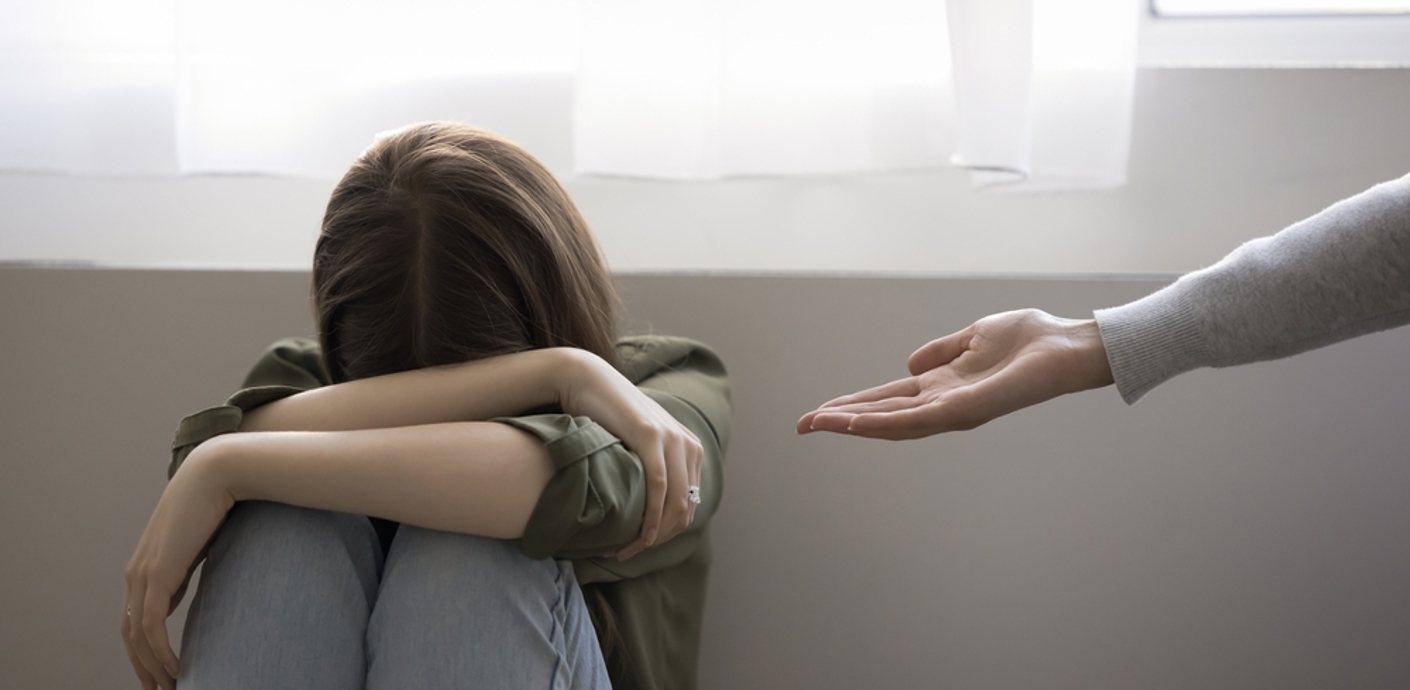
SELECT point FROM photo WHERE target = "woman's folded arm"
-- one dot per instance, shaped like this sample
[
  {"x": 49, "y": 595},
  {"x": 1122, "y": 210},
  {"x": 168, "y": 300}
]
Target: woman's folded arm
[
  {"x": 613, "y": 492},
  {"x": 469, "y": 477},
  {"x": 472, "y": 391}
]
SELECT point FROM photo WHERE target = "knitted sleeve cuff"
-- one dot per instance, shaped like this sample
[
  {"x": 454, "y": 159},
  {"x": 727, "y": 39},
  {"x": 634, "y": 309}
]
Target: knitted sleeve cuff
[{"x": 1151, "y": 340}]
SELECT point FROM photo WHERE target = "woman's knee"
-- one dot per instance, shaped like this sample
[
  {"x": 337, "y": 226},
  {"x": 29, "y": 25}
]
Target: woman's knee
[
  {"x": 289, "y": 541},
  {"x": 472, "y": 608},
  {"x": 462, "y": 581},
  {"x": 277, "y": 525},
  {"x": 283, "y": 601}
]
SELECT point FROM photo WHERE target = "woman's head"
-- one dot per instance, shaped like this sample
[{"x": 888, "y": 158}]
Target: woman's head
[{"x": 445, "y": 243}]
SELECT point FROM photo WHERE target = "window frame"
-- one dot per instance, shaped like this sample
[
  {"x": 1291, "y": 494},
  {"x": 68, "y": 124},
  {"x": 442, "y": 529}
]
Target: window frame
[{"x": 1273, "y": 41}]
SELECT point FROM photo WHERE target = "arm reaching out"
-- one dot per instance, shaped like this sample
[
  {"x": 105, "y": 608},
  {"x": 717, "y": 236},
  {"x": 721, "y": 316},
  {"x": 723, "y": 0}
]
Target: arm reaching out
[
  {"x": 997, "y": 365},
  {"x": 1342, "y": 273}
]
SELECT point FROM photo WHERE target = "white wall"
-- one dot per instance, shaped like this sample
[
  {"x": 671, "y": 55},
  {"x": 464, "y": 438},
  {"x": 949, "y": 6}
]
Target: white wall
[{"x": 1218, "y": 157}]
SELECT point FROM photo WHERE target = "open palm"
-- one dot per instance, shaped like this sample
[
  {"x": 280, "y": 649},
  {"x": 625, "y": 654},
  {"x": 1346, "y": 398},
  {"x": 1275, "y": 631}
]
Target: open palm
[{"x": 997, "y": 365}]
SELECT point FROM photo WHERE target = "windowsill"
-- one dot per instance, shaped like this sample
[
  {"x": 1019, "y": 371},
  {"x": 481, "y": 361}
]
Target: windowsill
[{"x": 1274, "y": 42}]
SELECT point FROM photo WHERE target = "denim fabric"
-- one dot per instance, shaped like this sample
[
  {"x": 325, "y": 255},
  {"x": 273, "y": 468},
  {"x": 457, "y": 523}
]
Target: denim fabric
[{"x": 297, "y": 598}]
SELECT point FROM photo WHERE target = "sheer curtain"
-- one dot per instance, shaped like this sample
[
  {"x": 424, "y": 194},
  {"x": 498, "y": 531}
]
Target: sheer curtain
[
  {"x": 88, "y": 86},
  {"x": 742, "y": 87},
  {"x": 1029, "y": 94},
  {"x": 1044, "y": 91}
]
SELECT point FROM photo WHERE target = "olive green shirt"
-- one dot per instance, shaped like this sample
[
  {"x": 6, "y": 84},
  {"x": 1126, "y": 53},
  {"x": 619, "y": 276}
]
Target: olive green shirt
[{"x": 593, "y": 503}]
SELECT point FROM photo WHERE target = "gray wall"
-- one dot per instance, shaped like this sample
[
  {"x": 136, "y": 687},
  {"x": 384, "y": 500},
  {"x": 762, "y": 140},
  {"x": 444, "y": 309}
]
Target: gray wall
[{"x": 1237, "y": 529}]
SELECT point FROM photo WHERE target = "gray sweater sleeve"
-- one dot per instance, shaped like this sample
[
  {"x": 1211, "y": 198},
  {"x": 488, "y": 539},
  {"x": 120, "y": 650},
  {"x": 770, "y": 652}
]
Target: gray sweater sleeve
[{"x": 1341, "y": 273}]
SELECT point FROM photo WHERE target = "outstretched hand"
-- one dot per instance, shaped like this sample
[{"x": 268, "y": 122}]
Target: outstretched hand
[{"x": 999, "y": 364}]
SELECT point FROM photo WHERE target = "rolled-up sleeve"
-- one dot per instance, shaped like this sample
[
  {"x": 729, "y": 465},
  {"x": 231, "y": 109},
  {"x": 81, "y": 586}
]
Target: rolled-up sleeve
[
  {"x": 595, "y": 500},
  {"x": 289, "y": 366},
  {"x": 222, "y": 419}
]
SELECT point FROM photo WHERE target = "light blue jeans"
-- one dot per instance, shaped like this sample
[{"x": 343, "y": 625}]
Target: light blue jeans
[{"x": 297, "y": 598}]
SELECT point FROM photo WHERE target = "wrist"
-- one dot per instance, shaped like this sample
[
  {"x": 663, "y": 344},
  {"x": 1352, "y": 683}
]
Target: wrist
[
  {"x": 501, "y": 386},
  {"x": 209, "y": 467},
  {"x": 572, "y": 373},
  {"x": 1094, "y": 369}
]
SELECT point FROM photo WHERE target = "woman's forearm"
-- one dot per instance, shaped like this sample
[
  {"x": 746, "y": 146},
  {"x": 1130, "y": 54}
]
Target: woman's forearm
[
  {"x": 576, "y": 381},
  {"x": 473, "y": 391},
  {"x": 468, "y": 477}
]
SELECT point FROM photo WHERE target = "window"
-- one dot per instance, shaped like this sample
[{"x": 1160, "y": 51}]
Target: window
[
  {"x": 1275, "y": 33},
  {"x": 1264, "y": 8}
]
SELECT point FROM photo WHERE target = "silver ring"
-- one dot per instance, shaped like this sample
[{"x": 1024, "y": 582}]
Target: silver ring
[{"x": 692, "y": 493}]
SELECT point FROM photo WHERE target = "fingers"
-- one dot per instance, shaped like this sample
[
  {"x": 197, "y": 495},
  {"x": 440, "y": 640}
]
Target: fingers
[
  {"x": 144, "y": 632},
  {"x": 905, "y": 419},
  {"x": 139, "y": 646},
  {"x": 939, "y": 352},
  {"x": 682, "y": 456},
  {"x": 154, "y": 625},
  {"x": 694, "y": 460},
  {"x": 653, "y": 462},
  {"x": 917, "y": 422},
  {"x": 697, "y": 452},
  {"x": 900, "y": 388},
  {"x": 144, "y": 677},
  {"x": 677, "y": 505},
  {"x": 887, "y": 405},
  {"x": 934, "y": 354},
  {"x": 836, "y": 422},
  {"x": 840, "y": 419},
  {"x": 887, "y": 396}
]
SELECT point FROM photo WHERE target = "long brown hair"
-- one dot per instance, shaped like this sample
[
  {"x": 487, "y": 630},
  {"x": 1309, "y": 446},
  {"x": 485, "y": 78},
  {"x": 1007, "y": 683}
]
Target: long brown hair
[{"x": 444, "y": 244}]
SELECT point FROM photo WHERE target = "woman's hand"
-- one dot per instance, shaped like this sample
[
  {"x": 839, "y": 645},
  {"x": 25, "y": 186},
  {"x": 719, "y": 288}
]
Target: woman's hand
[
  {"x": 187, "y": 516},
  {"x": 997, "y": 365},
  {"x": 670, "y": 454}
]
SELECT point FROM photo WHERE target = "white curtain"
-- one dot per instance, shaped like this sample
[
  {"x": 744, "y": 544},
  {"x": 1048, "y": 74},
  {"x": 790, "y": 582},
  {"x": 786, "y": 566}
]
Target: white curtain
[
  {"x": 1043, "y": 90},
  {"x": 1034, "y": 95},
  {"x": 88, "y": 86},
  {"x": 706, "y": 88}
]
